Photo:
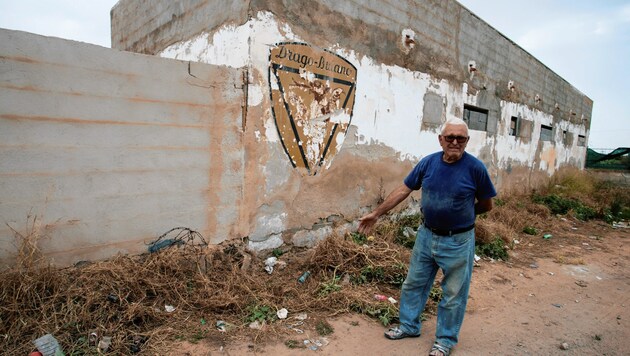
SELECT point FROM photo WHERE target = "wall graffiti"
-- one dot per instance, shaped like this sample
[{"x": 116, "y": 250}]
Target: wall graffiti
[{"x": 312, "y": 95}]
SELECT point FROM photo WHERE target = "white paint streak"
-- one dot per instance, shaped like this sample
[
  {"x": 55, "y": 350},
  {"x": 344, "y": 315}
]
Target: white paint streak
[
  {"x": 254, "y": 95},
  {"x": 271, "y": 132}
]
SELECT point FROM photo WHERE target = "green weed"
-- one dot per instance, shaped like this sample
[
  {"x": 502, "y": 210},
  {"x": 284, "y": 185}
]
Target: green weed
[
  {"x": 394, "y": 276},
  {"x": 435, "y": 294},
  {"x": 616, "y": 212},
  {"x": 331, "y": 286},
  {"x": 385, "y": 312},
  {"x": 529, "y": 230},
  {"x": 261, "y": 313},
  {"x": 561, "y": 205},
  {"x": 358, "y": 238},
  {"x": 405, "y": 233},
  {"x": 323, "y": 328},
  {"x": 495, "y": 249},
  {"x": 397, "y": 278}
]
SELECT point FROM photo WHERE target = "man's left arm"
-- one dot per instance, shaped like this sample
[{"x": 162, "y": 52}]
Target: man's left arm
[{"x": 483, "y": 206}]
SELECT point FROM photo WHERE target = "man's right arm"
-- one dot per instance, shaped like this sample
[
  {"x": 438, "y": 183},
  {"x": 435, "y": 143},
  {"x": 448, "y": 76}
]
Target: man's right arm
[{"x": 394, "y": 198}]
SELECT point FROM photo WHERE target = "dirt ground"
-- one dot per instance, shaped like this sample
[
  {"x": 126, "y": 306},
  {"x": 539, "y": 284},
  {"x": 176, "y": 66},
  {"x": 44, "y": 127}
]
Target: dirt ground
[{"x": 571, "y": 289}]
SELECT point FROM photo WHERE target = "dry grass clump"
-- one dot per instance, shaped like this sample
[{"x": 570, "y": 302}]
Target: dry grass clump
[
  {"x": 28, "y": 254},
  {"x": 510, "y": 215},
  {"x": 571, "y": 182},
  {"x": 486, "y": 231},
  {"x": 568, "y": 258},
  {"x": 589, "y": 190}
]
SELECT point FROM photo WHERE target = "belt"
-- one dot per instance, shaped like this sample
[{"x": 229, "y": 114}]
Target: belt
[{"x": 444, "y": 232}]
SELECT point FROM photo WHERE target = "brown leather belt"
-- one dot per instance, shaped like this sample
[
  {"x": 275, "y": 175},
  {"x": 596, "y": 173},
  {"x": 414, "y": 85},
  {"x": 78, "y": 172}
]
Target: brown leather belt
[{"x": 443, "y": 232}]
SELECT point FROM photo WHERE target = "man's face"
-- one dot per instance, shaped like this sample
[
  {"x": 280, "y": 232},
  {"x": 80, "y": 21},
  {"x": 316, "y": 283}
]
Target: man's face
[{"x": 454, "y": 150}]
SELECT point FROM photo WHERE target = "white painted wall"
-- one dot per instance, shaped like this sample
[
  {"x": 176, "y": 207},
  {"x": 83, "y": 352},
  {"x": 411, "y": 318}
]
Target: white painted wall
[{"x": 389, "y": 99}]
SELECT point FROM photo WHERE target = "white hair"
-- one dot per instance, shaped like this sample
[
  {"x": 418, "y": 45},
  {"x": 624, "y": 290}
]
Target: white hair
[{"x": 455, "y": 122}]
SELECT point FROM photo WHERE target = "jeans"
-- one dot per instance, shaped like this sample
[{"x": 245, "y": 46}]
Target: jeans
[{"x": 454, "y": 255}]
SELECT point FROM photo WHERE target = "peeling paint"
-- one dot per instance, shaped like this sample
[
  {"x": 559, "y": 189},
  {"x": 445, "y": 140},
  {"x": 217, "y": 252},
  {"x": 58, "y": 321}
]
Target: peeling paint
[
  {"x": 268, "y": 243},
  {"x": 270, "y": 220},
  {"x": 254, "y": 95}
]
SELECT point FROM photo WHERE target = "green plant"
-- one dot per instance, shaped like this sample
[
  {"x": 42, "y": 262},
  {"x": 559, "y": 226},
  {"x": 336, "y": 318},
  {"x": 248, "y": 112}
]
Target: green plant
[
  {"x": 529, "y": 230},
  {"x": 406, "y": 237},
  {"x": 386, "y": 313},
  {"x": 371, "y": 273},
  {"x": 331, "y": 286},
  {"x": 495, "y": 249},
  {"x": 261, "y": 313},
  {"x": 394, "y": 275},
  {"x": 277, "y": 252},
  {"x": 561, "y": 205},
  {"x": 397, "y": 278},
  {"x": 406, "y": 230},
  {"x": 436, "y": 293},
  {"x": 358, "y": 238},
  {"x": 323, "y": 328},
  {"x": 616, "y": 212}
]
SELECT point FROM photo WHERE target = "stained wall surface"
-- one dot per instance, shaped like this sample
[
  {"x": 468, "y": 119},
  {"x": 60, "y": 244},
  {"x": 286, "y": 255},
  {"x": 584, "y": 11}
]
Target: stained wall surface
[
  {"x": 101, "y": 151},
  {"x": 279, "y": 122},
  {"x": 418, "y": 63}
]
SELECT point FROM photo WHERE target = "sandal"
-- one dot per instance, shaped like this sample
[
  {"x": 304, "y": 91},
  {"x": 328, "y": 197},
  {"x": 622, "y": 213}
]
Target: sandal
[
  {"x": 396, "y": 334},
  {"x": 439, "y": 350}
]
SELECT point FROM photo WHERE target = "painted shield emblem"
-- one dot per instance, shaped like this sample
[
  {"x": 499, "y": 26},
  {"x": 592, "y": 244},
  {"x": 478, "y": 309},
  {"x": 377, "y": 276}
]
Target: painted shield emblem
[{"x": 312, "y": 95}]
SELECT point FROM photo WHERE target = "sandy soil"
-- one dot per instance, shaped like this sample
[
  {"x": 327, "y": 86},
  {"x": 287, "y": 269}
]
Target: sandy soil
[{"x": 573, "y": 288}]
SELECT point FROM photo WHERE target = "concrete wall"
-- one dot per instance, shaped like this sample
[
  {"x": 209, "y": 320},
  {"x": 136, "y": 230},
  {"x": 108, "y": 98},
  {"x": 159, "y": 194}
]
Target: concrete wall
[
  {"x": 447, "y": 38},
  {"x": 111, "y": 149},
  {"x": 413, "y": 71}
]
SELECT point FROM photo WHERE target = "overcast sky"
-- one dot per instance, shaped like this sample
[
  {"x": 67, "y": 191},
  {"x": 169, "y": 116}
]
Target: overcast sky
[{"x": 587, "y": 42}]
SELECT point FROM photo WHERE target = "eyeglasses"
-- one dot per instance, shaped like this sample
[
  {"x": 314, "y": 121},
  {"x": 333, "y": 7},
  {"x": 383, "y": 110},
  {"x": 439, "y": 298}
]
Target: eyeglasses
[{"x": 460, "y": 139}]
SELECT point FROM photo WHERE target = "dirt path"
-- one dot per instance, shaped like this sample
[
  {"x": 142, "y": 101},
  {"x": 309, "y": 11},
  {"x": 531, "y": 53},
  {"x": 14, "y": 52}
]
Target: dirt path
[{"x": 573, "y": 288}]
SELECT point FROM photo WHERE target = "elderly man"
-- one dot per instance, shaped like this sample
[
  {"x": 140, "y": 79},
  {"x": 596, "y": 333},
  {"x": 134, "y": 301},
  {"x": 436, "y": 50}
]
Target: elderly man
[{"x": 455, "y": 188}]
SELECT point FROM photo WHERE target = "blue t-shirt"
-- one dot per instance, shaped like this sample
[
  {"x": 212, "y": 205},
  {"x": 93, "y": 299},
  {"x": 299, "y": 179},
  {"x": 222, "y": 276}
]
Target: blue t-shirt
[{"x": 449, "y": 190}]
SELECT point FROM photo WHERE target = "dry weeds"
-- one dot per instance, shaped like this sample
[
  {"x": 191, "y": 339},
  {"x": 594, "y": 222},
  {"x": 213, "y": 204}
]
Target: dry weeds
[{"x": 125, "y": 297}]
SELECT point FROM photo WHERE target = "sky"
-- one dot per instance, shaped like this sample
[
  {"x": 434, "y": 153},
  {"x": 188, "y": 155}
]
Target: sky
[{"x": 587, "y": 42}]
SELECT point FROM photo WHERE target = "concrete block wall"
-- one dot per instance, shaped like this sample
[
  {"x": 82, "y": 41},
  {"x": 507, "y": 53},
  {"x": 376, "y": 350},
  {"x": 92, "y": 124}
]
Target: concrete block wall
[
  {"x": 110, "y": 149},
  {"x": 446, "y": 38},
  {"x": 169, "y": 21},
  {"x": 412, "y": 61}
]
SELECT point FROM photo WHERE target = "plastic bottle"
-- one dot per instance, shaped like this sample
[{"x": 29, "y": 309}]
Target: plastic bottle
[{"x": 304, "y": 276}]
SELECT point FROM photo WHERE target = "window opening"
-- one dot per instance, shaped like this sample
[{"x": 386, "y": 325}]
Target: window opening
[
  {"x": 514, "y": 126},
  {"x": 581, "y": 140},
  {"x": 545, "y": 133},
  {"x": 476, "y": 118}
]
